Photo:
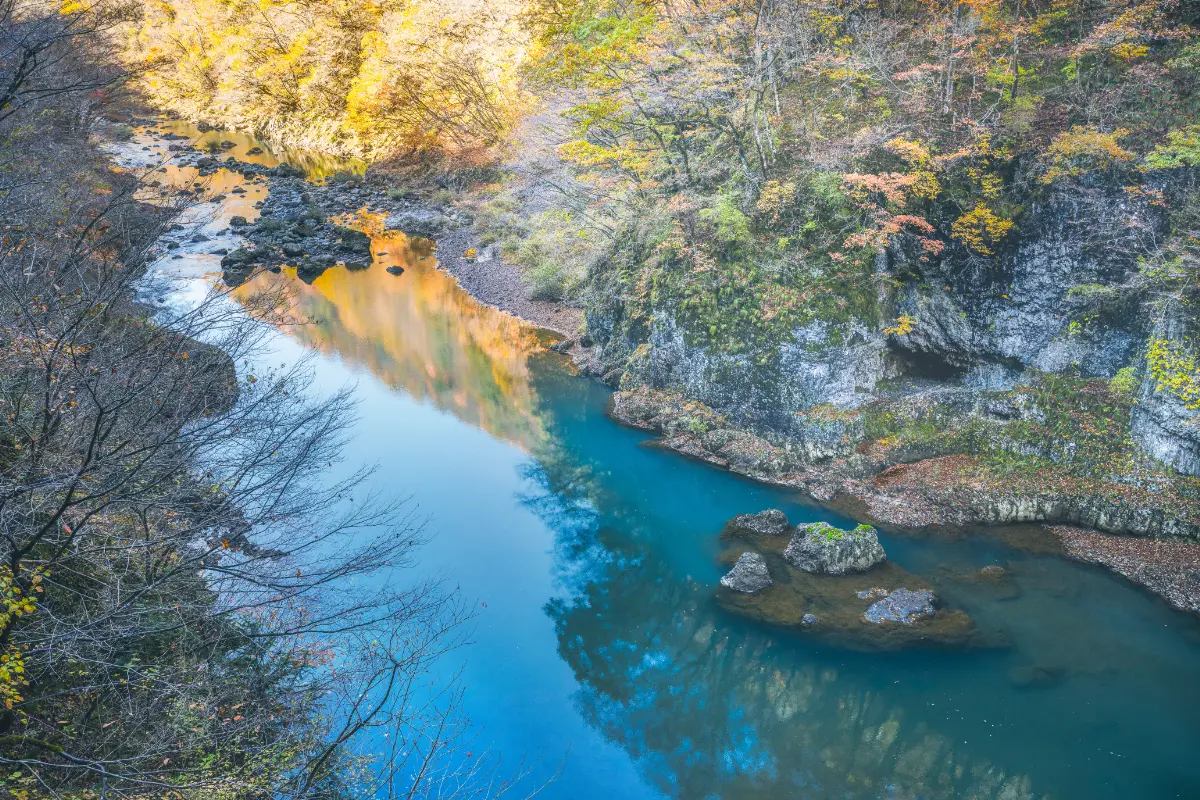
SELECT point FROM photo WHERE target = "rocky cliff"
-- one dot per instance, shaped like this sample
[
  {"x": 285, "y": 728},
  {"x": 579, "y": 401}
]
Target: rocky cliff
[{"x": 1050, "y": 381}]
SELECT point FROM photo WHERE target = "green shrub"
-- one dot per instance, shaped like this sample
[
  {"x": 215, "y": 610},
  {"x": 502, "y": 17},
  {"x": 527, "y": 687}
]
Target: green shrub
[
  {"x": 345, "y": 176},
  {"x": 1125, "y": 382},
  {"x": 546, "y": 280}
]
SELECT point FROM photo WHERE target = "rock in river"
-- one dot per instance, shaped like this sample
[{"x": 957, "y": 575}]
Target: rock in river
[
  {"x": 901, "y": 605},
  {"x": 749, "y": 574},
  {"x": 771, "y": 522},
  {"x": 822, "y": 548}
]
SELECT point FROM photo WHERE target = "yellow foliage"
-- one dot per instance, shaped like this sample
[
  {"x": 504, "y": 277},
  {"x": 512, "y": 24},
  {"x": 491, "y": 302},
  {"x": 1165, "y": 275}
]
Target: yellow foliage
[
  {"x": 1175, "y": 370},
  {"x": 980, "y": 229},
  {"x": 903, "y": 326},
  {"x": 1081, "y": 150},
  {"x": 913, "y": 152},
  {"x": 588, "y": 155},
  {"x": 363, "y": 79},
  {"x": 774, "y": 197},
  {"x": 14, "y": 603},
  {"x": 1129, "y": 52}
]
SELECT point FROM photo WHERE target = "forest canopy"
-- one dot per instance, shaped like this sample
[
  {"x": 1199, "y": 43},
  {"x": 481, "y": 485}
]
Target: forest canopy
[{"x": 355, "y": 78}]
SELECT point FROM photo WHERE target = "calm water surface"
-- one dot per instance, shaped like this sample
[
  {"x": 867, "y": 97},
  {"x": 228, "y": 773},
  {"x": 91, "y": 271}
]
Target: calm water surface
[{"x": 592, "y": 555}]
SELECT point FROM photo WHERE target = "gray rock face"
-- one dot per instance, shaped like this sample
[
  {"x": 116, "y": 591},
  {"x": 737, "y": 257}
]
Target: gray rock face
[
  {"x": 419, "y": 221},
  {"x": 1167, "y": 430},
  {"x": 822, "y": 548},
  {"x": 1162, "y": 423},
  {"x": 771, "y": 522},
  {"x": 1017, "y": 309},
  {"x": 901, "y": 605},
  {"x": 815, "y": 367},
  {"x": 749, "y": 574}
]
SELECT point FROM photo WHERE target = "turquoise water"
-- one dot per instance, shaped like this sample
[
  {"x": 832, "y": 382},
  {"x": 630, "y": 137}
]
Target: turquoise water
[{"x": 597, "y": 647}]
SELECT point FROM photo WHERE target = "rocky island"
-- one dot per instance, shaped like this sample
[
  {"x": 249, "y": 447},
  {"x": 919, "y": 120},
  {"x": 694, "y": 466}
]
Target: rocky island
[{"x": 835, "y": 584}]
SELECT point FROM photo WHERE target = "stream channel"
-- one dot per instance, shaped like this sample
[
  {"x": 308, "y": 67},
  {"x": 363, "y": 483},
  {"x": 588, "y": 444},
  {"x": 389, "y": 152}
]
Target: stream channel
[{"x": 598, "y": 648}]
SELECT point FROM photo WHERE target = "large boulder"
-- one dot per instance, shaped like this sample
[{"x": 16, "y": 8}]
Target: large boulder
[
  {"x": 749, "y": 574},
  {"x": 420, "y": 222},
  {"x": 822, "y": 548},
  {"x": 771, "y": 522},
  {"x": 901, "y": 605},
  {"x": 354, "y": 241}
]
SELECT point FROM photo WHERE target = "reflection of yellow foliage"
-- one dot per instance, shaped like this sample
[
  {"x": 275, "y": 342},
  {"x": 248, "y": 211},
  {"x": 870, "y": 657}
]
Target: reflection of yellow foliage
[
  {"x": 904, "y": 326},
  {"x": 980, "y": 229},
  {"x": 421, "y": 334}
]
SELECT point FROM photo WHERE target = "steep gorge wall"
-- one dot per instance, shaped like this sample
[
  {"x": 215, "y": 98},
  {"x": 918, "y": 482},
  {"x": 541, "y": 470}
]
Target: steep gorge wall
[{"x": 1067, "y": 307}]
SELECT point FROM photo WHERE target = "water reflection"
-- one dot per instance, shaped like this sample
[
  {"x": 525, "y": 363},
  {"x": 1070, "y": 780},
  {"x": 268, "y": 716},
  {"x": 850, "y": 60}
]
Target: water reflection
[
  {"x": 317, "y": 166},
  {"x": 712, "y": 706},
  {"x": 420, "y": 333},
  {"x": 708, "y": 705}
]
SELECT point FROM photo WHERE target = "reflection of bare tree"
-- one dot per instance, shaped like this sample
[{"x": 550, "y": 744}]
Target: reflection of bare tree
[{"x": 704, "y": 708}]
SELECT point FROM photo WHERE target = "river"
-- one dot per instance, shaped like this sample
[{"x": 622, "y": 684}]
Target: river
[{"x": 598, "y": 647}]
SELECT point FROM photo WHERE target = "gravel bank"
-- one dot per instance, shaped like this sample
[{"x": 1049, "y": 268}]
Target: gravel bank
[
  {"x": 501, "y": 286},
  {"x": 1168, "y": 568}
]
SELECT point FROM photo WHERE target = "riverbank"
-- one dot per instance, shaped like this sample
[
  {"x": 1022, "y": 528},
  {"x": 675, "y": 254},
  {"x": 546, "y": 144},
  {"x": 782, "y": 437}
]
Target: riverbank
[
  {"x": 496, "y": 283},
  {"x": 956, "y": 490},
  {"x": 1147, "y": 544},
  {"x": 301, "y": 227}
]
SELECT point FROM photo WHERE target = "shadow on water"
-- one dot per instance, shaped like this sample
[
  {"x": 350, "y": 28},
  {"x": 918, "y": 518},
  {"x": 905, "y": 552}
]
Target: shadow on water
[{"x": 1096, "y": 697}]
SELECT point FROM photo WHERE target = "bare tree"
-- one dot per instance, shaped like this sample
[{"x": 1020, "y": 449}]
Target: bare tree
[{"x": 187, "y": 602}]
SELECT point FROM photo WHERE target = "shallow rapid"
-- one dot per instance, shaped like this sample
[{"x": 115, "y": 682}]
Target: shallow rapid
[{"x": 598, "y": 646}]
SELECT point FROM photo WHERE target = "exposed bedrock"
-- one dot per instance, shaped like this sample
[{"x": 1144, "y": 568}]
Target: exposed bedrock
[{"x": 1001, "y": 351}]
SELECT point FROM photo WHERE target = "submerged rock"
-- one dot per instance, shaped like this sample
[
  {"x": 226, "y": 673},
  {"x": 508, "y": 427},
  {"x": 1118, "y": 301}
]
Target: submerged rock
[
  {"x": 822, "y": 548},
  {"x": 771, "y": 522},
  {"x": 749, "y": 574},
  {"x": 901, "y": 605},
  {"x": 1035, "y": 676}
]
